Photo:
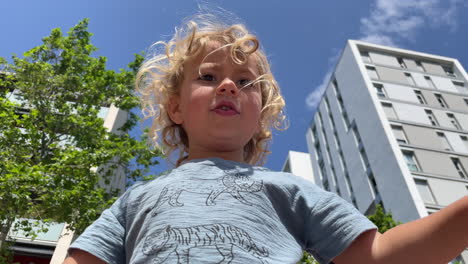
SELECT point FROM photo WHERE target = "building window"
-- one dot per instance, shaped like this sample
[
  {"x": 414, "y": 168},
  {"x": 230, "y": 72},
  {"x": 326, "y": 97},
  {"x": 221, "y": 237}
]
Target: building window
[
  {"x": 335, "y": 87},
  {"x": 454, "y": 121},
  {"x": 341, "y": 104},
  {"x": 337, "y": 141},
  {"x": 372, "y": 72},
  {"x": 325, "y": 183},
  {"x": 327, "y": 105},
  {"x": 459, "y": 167},
  {"x": 362, "y": 151},
  {"x": 464, "y": 139},
  {"x": 388, "y": 109},
  {"x": 431, "y": 117},
  {"x": 429, "y": 82},
  {"x": 420, "y": 66},
  {"x": 337, "y": 188},
  {"x": 443, "y": 140},
  {"x": 449, "y": 71},
  {"x": 420, "y": 97},
  {"x": 441, "y": 100},
  {"x": 460, "y": 86},
  {"x": 357, "y": 137},
  {"x": 399, "y": 134},
  {"x": 373, "y": 185},
  {"x": 409, "y": 78},
  {"x": 364, "y": 159},
  {"x": 380, "y": 89},
  {"x": 365, "y": 56},
  {"x": 314, "y": 132},
  {"x": 343, "y": 111},
  {"x": 425, "y": 191},
  {"x": 318, "y": 152},
  {"x": 411, "y": 160},
  {"x": 466, "y": 100},
  {"x": 401, "y": 62}
]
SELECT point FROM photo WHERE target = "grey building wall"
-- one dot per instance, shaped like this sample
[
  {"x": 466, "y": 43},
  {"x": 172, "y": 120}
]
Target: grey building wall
[
  {"x": 360, "y": 103},
  {"x": 396, "y": 187}
]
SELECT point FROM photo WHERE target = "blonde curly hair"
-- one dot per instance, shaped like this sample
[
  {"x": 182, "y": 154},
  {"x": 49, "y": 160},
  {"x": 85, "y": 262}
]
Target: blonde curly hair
[{"x": 160, "y": 76}]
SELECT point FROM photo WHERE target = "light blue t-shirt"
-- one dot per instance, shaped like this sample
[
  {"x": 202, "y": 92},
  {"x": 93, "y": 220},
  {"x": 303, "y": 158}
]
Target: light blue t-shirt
[{"x": 218, "y": 211}]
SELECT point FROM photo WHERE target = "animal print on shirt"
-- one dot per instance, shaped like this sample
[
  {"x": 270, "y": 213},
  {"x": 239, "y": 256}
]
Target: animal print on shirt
[
  {"x": 233, "y": 184},
  {"x": 179, "y": 240}
]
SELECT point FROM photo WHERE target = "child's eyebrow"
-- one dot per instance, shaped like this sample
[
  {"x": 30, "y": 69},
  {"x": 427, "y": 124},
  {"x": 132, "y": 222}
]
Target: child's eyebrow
[
  {"x": 210, "y": 65},
  {"x": 241, "y": 69}
]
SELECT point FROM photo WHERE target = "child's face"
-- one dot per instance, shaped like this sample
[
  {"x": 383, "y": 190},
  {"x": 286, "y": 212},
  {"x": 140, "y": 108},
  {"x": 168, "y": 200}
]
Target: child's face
[{"x": 218, "y": 115}]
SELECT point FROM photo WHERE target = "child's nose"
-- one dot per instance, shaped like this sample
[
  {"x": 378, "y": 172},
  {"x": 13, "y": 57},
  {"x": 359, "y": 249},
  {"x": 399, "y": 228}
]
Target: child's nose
[{"x": 227, "y": 87}]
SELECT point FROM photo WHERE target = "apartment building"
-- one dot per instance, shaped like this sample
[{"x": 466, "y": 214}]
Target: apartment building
[
  {"x": 392, "y": 129},
  {"x": 299, "y": 164},
  {"x": 52, "y": 246}
]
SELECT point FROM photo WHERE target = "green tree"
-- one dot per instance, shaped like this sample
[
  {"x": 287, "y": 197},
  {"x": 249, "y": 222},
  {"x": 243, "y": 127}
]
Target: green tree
[
  {"x": 383, "y": 221},
  {"x": 307, "y": 259},
  {"x": 56, "y": 157}
]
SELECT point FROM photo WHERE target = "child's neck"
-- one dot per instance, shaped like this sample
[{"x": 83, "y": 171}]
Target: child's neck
[{"x": 237, "y": 156}]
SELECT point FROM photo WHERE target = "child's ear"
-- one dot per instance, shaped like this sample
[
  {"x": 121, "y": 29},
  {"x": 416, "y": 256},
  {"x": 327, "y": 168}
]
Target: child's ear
[{"x": 174, "y": 111}]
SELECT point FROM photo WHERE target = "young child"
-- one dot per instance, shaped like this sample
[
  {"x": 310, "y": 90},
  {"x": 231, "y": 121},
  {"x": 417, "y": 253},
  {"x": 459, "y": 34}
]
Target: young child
[{"x": 215, "y": 101}]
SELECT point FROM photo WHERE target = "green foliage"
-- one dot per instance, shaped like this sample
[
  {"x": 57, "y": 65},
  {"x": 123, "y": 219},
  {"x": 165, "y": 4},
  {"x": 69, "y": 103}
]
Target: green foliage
[
  {"x": 307, "y": 259},
  {"x": 56, "y": 155},
  {"x": 383, "y": 221}
]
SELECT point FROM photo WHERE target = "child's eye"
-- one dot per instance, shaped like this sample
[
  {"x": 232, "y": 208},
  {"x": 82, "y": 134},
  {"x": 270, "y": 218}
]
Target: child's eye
[
  {"x": 245, "y": 83},
  {"x": 207, "y": 77}
]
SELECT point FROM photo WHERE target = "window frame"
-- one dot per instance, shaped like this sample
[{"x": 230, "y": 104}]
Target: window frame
[
  {"x": 420, "y": 97},
  {"x": 411, "y": 158},
  {"x": 441, "y": 100},
  {"x": 410, "y": 78},
  {"x": 454, "y": 121},
  {"x": 431, "y": 117},
  {"x": 400, "y": 128},
  {"x": 459, "y": 167},
  {"x": 444, "y": 139},
  {"x": 431, "y": 193}
]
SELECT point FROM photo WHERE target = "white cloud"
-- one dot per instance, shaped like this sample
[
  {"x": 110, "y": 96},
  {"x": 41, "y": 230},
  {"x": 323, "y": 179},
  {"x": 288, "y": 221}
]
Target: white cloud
[
  {"x": 313, "y": 99},
  {"x": 393, "y": 20}
]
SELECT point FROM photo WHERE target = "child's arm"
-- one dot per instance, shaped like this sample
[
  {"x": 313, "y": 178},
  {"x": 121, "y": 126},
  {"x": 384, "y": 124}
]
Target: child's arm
[
  {"x": 437, "y": 238},
  {"x": 82, "y": 257}
]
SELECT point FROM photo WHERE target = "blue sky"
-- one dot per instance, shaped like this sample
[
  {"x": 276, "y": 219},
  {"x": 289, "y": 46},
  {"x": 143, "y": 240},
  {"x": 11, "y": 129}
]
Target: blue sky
[{"x": 303, "y": 39}]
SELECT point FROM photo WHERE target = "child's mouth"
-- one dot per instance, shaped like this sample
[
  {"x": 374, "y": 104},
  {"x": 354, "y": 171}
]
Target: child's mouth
[{"x": 226, "y": 109}]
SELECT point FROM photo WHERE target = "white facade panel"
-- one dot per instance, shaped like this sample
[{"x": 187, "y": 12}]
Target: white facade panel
[
  {"x": 456, "y": 143},
  {"x": 400, "y": 92},
  {"x": 383, "y": 59},
  {"x": 446, "y": 191},
  {"x": 411, "y": 113},
  {"x": 419, "y": 80},
  {"x": 462, "y": 120},
  {"x": 300, "y": 165},
  {"x": 444, "y": 84},
  {"x": 442, "y": 119}
]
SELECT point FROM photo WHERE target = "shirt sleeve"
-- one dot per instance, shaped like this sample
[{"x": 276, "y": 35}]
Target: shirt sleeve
[
  {"x": 105, "y": 238},
  {"x": 334, "y": 225}
]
